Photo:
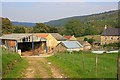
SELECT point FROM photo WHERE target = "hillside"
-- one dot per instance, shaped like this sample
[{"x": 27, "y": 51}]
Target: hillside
[
  {"x": 105, "y": 16},
  {"x": 28, "y": 24},
  {"x": 110, "y": 15}
]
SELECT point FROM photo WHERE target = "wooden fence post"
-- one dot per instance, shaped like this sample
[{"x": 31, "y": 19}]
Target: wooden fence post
[{"x": 96, "y": 60}]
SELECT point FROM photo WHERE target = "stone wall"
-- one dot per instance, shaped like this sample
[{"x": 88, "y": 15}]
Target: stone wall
[{"x": 109, "y": 39}]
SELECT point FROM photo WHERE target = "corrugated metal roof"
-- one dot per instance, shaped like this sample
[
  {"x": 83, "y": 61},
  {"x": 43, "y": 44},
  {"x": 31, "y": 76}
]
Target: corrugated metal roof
[
  {"x": 111, "y": 32},
  {"x": 58, "y": 37},
  {"x": 71, "y": 44},
  {"x": 15, "y": 36}
]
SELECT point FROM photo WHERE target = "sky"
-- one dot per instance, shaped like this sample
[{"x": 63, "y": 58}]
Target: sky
[{"x": 45, "y": 10}]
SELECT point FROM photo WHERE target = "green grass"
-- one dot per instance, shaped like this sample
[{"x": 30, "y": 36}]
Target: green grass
[
  {"x": 12, "y": 64},
  {"x": 72, "y": 65}
]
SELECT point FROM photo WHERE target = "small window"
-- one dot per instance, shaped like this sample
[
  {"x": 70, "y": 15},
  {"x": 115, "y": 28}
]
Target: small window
[
  {"x": 117, "y": 38},
  {"x": 111, "y": 38},
  {"x": 105, "y": 38},
  {"x": 23, "y": 39}
]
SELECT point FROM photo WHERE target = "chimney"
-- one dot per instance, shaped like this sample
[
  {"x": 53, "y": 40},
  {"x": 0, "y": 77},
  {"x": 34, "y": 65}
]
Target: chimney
[{"x": 105, "y": 27}]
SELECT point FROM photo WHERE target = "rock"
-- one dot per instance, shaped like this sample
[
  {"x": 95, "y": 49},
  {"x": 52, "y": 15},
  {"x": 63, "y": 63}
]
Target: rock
[{"x": 49, "y": 62}]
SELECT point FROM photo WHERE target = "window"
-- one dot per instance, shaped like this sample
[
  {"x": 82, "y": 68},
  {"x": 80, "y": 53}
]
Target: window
[
  {"x": 117, "y": 38},
  {"x": 105, "y": 38},
  {"x": 111, "y": 38},
  {"x": 23, "y": 39}
]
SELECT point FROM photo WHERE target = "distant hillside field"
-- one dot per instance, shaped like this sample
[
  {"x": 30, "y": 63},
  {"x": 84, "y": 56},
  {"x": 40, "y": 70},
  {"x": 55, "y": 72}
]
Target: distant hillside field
[
  {"x": 28, "y": 24},
  {"x": 109, "y": 16},
  {"x": 96, "y": 37},
  {"x": 105, "y": 17}
]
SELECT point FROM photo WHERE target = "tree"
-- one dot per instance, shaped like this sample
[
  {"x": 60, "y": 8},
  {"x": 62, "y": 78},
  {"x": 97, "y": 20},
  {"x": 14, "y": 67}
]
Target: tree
[
  {"x": 53, "y": 29},
  {"x": 20, "y": 29},
  {"x": 6, "y": 26},
  {"x": 40, "y": 28},
  {"x": 73, "y": 27},
  {"x": 85, "y": 39},
  {"x": 91, "y": 40}
]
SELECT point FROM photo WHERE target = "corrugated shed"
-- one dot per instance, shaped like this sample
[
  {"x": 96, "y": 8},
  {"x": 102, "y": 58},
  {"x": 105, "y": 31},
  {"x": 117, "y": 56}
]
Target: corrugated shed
[
  {"x": 71, "y": 44},
  {"x": 15, "y": 36}
]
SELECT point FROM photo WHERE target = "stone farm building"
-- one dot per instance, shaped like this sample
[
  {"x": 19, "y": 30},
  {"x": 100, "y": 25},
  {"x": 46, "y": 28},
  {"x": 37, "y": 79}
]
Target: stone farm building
[
  {"x": 52, "y": 39},
  {"x": 86, "y": 45},
  {"x": 68, "y": 46},
  {"x": 24, "y": 42},
  {"x": 110, "y": 35}
]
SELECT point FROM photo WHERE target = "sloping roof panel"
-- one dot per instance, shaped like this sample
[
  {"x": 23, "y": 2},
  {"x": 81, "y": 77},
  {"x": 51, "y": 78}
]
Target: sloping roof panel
[
  {"x": 15, "y": 36},
  {"x": 58, "y": 37},
  {"x": 111, "y": 32},
  {"x": 71, "y": 44}
]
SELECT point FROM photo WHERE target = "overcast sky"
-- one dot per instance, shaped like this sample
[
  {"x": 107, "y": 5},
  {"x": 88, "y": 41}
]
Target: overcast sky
[{"x": 46, "y": 11}]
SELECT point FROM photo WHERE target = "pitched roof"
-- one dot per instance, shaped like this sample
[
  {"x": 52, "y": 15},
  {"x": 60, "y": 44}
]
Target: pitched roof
[
  {"x": 111, "y": 32},
  {"x": 15, "y": 36},
  {"x": 43, "y": 35},
  {"x": 67, "y": 37},
  {"x": 58, "y": 37},
  {"x": 84, "y": 42},
  {"x": 71, "y": 44}
]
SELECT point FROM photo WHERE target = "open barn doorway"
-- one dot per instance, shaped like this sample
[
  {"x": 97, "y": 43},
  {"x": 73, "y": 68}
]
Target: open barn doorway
[{"x": 27, "y": 49}]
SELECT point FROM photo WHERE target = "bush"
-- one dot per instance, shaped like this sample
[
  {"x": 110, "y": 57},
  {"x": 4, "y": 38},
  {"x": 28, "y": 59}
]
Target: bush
[{"x": 85, "y": 39}]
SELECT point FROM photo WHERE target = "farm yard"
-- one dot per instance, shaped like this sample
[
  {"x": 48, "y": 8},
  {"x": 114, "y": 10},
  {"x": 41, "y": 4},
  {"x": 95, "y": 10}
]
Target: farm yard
[{"x": 78, "y": 65}]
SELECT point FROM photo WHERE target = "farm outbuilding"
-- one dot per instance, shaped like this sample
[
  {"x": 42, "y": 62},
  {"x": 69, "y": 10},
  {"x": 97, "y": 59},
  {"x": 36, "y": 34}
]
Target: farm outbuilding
[
  {"x": 23, "y": 42},
  {"x": 52, "y": 39},
  {"x": 86, "y": 45},
  {"x": 68, "y": 46}
]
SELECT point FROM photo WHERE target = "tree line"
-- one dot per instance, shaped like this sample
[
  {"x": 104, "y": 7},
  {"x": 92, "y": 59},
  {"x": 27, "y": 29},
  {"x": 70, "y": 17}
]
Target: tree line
[
  {"x": 8, "y": 27},
  {"x": 72, "y": 27}
]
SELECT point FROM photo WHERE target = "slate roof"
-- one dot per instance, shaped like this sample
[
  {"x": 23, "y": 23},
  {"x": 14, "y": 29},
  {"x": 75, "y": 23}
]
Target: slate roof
[
  {"x": 111, "y": 32},
  {"x": 15, "y": 36},
  {"x": 58, "y": 37},
  {"x": 71, "y": 44}
]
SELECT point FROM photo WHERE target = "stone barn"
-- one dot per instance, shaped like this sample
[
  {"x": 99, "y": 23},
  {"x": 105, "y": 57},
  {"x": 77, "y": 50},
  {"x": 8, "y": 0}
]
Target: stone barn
[
  {"x": 68, "y": 46},
  {"x": 86, "y": 45}
]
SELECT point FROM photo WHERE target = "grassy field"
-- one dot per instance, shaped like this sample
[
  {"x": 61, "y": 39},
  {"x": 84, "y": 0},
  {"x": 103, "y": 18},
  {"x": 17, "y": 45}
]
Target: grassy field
[
  {"x": 96, "y": 37},
  {"x": 12, "y": 64},
  {"x": 78, "y": 65}
]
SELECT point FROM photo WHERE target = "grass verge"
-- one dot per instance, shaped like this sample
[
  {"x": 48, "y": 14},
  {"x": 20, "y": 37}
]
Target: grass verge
[
  {"x": 76, "y": 65},
  {"x": 12, "y": 64}
]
